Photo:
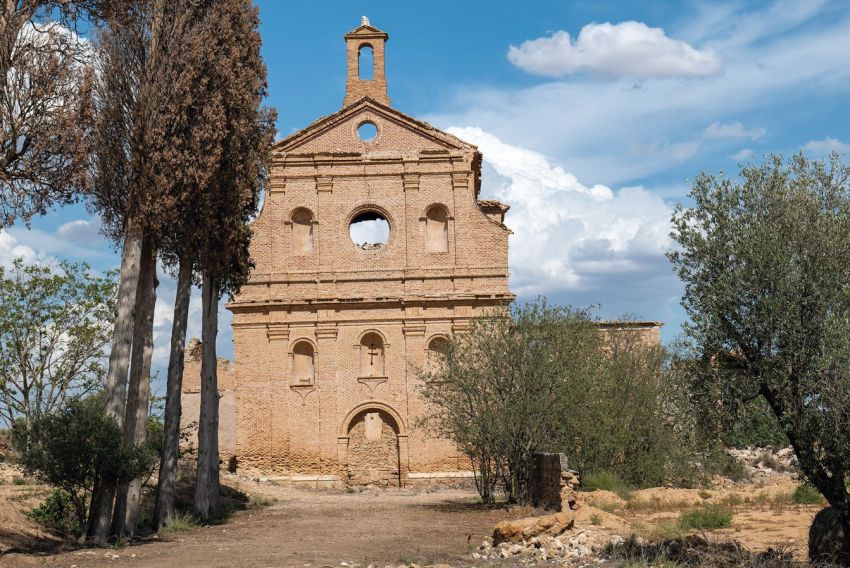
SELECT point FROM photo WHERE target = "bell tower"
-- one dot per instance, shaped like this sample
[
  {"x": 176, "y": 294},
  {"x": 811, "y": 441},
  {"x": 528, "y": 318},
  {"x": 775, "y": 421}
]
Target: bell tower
[{"x": 362, "y": 80}]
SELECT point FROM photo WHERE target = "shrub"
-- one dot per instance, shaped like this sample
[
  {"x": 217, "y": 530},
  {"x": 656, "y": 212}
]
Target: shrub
[
  {"x": 78, "y": 449},
  {"x": 807, "y": 494},
  {"x": 706, "y": 518},
  {"x": 181, "y": 522},
  {"x": 542, "y": 378},
  {"x": 57, "y": 513},
  {"x": 604, "y": 480}
]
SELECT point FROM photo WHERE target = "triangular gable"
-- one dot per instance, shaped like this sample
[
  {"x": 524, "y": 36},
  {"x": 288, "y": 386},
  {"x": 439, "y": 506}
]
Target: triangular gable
[
  {"x": 431, "y": 137},
  {"x": 365, "y": 30}
]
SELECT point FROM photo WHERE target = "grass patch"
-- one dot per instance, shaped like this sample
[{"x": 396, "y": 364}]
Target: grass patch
[
  {"x": 181, "y": 522},
  {"x": 607, "y": 481},
  {"x": 706, "y": 518},
  {"x": 257, "y": 501},
  {"x": 23, "y": 481},
  {"x": 595, "y": 519},
  {"x": 807, "y": 494}
]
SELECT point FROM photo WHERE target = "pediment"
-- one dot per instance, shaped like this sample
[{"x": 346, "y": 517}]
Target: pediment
[{"x": 397, "y": 132}]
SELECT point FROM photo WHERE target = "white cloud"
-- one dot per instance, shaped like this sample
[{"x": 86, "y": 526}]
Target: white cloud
[
  {"x": 717, "y": 130},
  {"x": 594, "y": 125},
  {"x": 570, "y": 237},
  {"x": 86, "y": 231},
  {"x": 629, "y": 49},
  {"x": 743, "y": 154},
  {"x": 10, "y": 249},
  {"x": 826, "y": 146}
]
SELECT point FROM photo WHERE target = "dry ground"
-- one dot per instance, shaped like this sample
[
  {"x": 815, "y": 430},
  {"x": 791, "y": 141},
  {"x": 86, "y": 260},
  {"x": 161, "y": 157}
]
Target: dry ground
[{"x": 314, "y": 529}]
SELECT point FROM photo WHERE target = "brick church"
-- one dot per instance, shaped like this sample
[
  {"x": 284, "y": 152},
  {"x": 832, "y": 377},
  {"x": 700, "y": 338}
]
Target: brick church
[{"x": 371, "y": 249}]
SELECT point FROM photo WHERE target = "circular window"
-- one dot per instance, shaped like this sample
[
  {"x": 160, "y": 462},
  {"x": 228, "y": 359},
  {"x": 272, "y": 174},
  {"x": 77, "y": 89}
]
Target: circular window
[
  {"x": 367, "y": 131},
  {"x": 369, "y": 230}
]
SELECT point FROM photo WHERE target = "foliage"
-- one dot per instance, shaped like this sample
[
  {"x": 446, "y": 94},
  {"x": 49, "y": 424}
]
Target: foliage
[
  {"x": 79, "y": 449},
  {"x": 707, "y": 518},
  {"x": 764, "y": 262},
  {"x": 500, "y": 388},
  {"x": 54, "y": 327},
  {"x": 180, "y": 522},
  {"x": 719, "y": 414},
  {"x": 543, "y": 378},
  {"x": 45, "y": 114},
  {"x": 604, "y": 480},
  {"x": 807, "y": 494},
  {"x": 632, "y": 419},
  {"x": 57, "y": 513}
]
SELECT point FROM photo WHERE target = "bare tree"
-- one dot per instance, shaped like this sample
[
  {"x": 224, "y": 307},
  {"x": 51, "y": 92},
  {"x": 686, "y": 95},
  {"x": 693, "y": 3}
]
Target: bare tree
[{"x": 45, "y": 115}]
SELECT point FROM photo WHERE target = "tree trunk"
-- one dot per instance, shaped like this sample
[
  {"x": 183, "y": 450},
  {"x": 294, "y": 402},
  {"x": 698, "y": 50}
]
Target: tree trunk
[
  {"x": 138, "y": 395},
  {"x": 165, "y": 491},
  {"x": 119, "y": 362},
  {"x": 206, "y": 489}
]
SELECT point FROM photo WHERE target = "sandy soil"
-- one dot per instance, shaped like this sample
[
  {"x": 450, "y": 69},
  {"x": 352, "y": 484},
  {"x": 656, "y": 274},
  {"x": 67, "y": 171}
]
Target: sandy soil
[
  {"x": 388, "y": 527},
  {"x": 312, "y": 529},
  {"x": 764, "y": 513}
]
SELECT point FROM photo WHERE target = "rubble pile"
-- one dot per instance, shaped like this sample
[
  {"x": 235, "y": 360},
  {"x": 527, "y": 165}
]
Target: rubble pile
[
  {"x": 767, "y": 463},
  {"x": 544, "y": 547}
]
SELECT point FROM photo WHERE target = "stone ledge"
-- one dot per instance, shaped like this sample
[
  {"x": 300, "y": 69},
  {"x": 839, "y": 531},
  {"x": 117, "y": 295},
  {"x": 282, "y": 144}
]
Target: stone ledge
[{"x": 441, "y": 475}]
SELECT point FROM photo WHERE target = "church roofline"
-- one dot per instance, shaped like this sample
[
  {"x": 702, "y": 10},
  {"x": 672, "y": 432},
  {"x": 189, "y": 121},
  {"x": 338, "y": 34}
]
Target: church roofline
[{"x": 328, "y": 121}]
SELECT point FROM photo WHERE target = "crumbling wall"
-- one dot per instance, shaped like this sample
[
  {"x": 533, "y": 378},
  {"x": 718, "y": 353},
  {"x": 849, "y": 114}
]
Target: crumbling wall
[
  {"x": 553, "y": 484},
  {"x": 190, "y": 399}
]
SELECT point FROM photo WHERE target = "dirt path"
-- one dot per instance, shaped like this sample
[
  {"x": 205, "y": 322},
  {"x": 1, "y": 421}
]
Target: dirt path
[{"x": 310, "y": 529}]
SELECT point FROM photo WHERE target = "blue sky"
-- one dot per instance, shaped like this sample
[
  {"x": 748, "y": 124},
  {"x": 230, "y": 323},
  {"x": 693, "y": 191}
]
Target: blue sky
[{"x": 592, "y": 116}]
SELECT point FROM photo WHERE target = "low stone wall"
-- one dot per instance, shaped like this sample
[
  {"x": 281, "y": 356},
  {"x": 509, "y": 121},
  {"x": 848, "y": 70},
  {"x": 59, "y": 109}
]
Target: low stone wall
[{"x": 553, "y": 483}]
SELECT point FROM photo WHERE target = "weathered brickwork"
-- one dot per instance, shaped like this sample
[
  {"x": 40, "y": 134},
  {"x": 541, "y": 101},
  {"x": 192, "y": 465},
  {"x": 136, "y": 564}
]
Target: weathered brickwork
[{"x": 329, "y": 335}]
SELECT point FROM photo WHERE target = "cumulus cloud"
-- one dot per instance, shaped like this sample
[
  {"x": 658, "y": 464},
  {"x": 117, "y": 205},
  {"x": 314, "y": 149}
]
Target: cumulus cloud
[
  {"x": 84, "y": 231},
  {"x": 826, "y": 146},
  {"x": 10, "y": 249},
  {"x": 630, "y": 49},
  {"x": 570, "y": 238}
]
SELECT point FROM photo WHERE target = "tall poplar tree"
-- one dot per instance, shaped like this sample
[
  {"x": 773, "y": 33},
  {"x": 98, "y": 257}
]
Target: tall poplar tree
[
  {"x": 228, "y": 202},
  {"x": 128, "y": 95}
]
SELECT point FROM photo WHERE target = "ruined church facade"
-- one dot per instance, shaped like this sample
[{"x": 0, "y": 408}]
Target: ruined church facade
[{"x": 334, "y": 324}]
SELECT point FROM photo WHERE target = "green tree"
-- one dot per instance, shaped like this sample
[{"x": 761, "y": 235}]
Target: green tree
[
  {"x": 225, "y": 205},
  {"x": 54, "y": 328},
  {"x": 80, "y": 449},
  {"x": 764, "y": 260},
  {"x": 501, "y": 390}
]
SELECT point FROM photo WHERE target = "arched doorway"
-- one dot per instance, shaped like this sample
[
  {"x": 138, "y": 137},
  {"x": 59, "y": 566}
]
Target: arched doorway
[{"x": 373, "y": 448}]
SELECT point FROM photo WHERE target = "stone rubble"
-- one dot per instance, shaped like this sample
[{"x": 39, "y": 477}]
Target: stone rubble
[
  {"x": 542, "y": 548},
  {"x": 767, "y": 463}
]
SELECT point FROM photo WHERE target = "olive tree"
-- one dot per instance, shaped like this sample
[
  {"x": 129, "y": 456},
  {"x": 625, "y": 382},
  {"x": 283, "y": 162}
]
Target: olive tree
[{"x": 765, "y": 260}]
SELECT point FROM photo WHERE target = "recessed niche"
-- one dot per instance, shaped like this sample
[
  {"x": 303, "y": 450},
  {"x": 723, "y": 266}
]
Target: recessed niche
[
  {"x": 367, "y": 131},
  {"x": 369, "y": 230}
]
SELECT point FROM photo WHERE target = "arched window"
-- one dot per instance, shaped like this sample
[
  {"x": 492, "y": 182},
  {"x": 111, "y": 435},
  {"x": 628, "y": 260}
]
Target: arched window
[
  {"x": 365, "y": 63},
  {"x": 372, "y": 355},
  {"x": 436, "y": 353},
  {"x": 437, "y": 229},
  {"x": 303, "y": 363},
  {"x": 302, "y": 233}
]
